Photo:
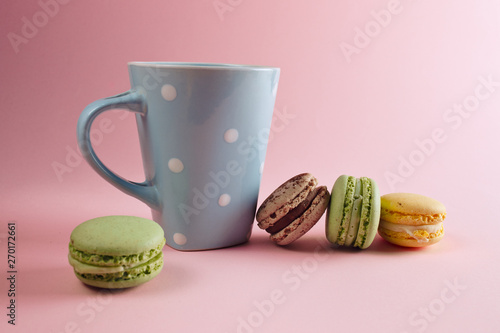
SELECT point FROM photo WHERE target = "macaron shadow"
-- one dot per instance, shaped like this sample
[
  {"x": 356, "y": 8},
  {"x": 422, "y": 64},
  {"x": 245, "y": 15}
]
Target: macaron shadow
[
  {"x": 40, "y": 283},
  {"x": 258, "y": 242},
  {"x": 380, "y": 245},
  {"x": 312, "y": 244},
  {"x": 171, "y": 277},
  {"x": 305, "y": 244},
  {"x": 105, "y": 290}
]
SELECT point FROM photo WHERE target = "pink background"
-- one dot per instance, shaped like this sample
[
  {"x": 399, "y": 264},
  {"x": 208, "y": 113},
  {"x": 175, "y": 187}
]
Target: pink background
[{"x": 368, "y": 111}]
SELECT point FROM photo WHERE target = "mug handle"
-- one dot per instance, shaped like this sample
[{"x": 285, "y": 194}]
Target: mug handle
[{"x": 133, "y": 101}]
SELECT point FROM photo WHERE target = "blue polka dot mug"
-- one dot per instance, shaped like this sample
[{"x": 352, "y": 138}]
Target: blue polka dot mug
[{"x": 203, "y": 131}]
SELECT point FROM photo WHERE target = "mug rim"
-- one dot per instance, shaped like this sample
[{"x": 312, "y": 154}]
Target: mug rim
[{"x": 198, "y": 65}]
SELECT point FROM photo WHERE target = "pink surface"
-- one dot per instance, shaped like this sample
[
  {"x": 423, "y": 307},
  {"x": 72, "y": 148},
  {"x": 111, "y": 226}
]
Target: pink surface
[{"x": 406, "y": 92}]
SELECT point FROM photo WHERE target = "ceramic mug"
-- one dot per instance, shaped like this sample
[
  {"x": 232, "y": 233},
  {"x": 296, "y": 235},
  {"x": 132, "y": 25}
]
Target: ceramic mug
[{"x": 203, "y": 131}]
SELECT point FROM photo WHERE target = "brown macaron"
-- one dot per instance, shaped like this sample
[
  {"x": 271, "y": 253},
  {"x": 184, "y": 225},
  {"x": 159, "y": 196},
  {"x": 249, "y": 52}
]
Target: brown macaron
[{"x": 293, "y": 208}]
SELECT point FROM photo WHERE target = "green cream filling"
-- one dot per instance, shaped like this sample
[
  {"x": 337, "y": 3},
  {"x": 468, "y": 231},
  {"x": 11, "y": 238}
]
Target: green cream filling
[
  {"x": 365, "y": 211},
  {"x": 108, "y": 260},
  {"x": 352, "y": 230},
  {"x": 142, "y": 270}
]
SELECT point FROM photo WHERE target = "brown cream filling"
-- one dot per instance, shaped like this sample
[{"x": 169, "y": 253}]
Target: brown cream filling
[{"x": 293, "y": 214}]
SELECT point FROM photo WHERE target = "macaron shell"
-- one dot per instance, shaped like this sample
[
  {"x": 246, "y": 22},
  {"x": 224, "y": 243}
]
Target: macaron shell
[
  {"x": 336, "y": 208},
  {"x": 411, "y": 209},
  {"x": 80, "y": 267},
  {"x": 119, "y": 284},
  {"x": 152, "y": 267},
  {"x": 406, "y": 240},
  {"x": 368, "y": 225},
  {"x": 117, "y": 235},
  {"x": 285, "y": 198},
  {"x": 306, "y": 221},
  {"x": 116, "y": 260}
]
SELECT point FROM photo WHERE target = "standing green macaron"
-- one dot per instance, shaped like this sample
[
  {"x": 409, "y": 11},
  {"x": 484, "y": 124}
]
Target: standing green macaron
[
  {"x": 354, "y": 212},
  {"x": 116, "y": 251}
]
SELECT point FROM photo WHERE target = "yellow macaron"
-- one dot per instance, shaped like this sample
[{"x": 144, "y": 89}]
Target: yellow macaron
[{"x": 411, "y": 220}]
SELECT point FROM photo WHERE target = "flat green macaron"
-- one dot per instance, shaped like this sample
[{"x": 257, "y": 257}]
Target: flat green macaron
[
  {"x": 354, "y": 212},
  {"x": 116, "y": 251}
]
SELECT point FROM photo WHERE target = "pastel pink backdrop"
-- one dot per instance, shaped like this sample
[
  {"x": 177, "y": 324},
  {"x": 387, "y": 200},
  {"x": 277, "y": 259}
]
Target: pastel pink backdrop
[{"x": 360, "y": 93}]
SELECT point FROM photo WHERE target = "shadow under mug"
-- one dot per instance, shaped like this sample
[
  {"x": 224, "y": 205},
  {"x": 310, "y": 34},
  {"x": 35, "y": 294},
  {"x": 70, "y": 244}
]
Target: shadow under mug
[{"x": 203, "y": 131}]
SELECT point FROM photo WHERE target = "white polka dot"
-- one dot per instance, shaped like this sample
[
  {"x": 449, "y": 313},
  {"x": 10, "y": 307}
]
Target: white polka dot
[
  {"x": 175, "y": 165},
  {"x": 261, "y": 170},
  {"x": 231, "y": 135},
  {"x": 224, "y": 200},
  {"x": 180, "y": 239},
  {"x": 168, "y": 92}
]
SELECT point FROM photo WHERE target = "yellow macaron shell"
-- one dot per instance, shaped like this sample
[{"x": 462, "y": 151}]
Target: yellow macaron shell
[
  {"x": 411, "y": 209},
  {"x": 411, "y": 236},
  {"x": 411, "y": 220}
]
